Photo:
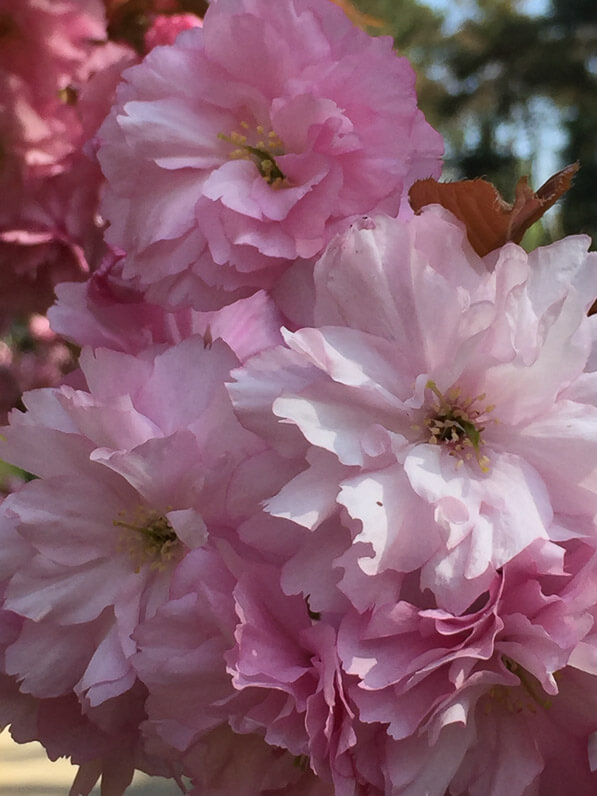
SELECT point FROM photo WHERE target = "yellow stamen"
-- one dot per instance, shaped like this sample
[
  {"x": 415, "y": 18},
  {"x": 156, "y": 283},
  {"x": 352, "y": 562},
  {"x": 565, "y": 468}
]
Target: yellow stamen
[{"x": 262, "y": 151}]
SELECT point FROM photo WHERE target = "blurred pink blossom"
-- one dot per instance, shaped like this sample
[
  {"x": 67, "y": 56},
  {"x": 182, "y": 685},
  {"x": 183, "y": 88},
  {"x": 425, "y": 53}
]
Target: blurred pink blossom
[
  {"x": 166, "y": 27},
  {"x": 31, "y": 356},
  {"x": 49, "y": 227}
]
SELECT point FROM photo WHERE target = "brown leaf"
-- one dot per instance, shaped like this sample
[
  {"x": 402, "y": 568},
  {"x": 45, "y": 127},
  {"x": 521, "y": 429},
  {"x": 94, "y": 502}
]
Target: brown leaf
[
  {"x": 491, "y": 221},
  {"x": 357, "y": 17}
]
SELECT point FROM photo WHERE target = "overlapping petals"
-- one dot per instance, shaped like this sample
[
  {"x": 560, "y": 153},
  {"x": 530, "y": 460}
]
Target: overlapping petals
[
  {"x": 133, "y": 488},
  {"x": 430, "y": 381},
  {"x": 299, "y": 135},
  {"x": 355, "y": 554}
]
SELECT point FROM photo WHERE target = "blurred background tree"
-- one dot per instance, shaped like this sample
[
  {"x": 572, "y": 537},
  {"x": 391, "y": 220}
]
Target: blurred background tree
[{"x": 511, "y": 91}]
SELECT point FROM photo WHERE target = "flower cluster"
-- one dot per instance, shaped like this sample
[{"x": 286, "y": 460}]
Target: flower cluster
[{"x": 316, "y": 513}]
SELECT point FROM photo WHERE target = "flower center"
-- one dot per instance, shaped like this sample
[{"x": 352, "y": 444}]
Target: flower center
[
  {"x": 516, "y": 700},
  {"x": 302, "y": 762},
  {"x": 68, "y": 95},
  {"x": 456, "y": 423},
  {"x": 261, "y": 148},
  {"x": 147, "y": 537}
]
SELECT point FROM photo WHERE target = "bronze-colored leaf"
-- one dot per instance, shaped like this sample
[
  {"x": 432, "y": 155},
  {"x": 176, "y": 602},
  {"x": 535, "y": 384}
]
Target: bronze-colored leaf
[
  {"x": 491, "y": 221},
  {"x": 358, "y": 17}
]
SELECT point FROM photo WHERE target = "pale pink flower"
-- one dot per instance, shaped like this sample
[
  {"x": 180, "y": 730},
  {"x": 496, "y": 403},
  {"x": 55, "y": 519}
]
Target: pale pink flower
[
  {"x": 145, "y": 465},
  {"x": 248, "y": 141},
  {"x": 60, "y": 726},
  {"x": 523, "y": 746},
  {"x": 181, "y": 653},
  {"x": 445, "y": 401},
  {"x": 103, "y": 740},
  {"x": 131, "y": 400}
]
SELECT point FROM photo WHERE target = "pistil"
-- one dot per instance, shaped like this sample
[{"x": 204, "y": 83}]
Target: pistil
[
  {"x": 456, "y": 423},
  {"x": 147, "y": 537}
]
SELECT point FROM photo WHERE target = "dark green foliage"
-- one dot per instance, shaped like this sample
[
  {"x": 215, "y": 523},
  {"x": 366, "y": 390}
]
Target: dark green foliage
[{"x": 480, "y": 85}]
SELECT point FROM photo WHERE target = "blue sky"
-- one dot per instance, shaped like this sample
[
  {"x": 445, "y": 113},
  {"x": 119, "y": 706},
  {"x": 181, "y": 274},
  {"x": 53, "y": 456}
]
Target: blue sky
[{"x": 457, "y": 10}]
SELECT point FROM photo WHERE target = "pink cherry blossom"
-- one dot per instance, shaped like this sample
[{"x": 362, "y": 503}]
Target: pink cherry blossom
[
  {"x": 181, "y": 652},
  {"x": 104, "y": 739},
  {"x": 353, "y": 555},
  {"x": 291, "y": 658},
  {"x": 521, "y": 719},
  {"x": 429, "y": 391},
  {"x": 141, "y": 471},
  {"x": 412, "y": 698},
  {"x": 52, "y": 237},
  {"x": 277, "y": 130}
]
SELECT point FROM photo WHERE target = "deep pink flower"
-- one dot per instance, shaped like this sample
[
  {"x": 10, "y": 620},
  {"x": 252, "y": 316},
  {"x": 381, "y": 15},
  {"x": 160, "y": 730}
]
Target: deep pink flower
[
  {"x": 181, "y": 659},
  {"x": 225, "y": 762},
  {"x": 166, "y": 27},
  {"x": 51, "y": 237},
  {"x": 49, "y": 229},
  {"x": 283, "y": 680},
  {"x": 45, "y": 51},
  {"x": 521, "y": 717},
  {"x": 286, "y": 662},
  {"x": 37, "y": 358},
  {"x": 104, "y": 312},
  {"x": 278, "y": 129},
  {"x": 428, "y": 701},
  {"x": 271, "y": 694},
  {"x": 430, "y": 395}
]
